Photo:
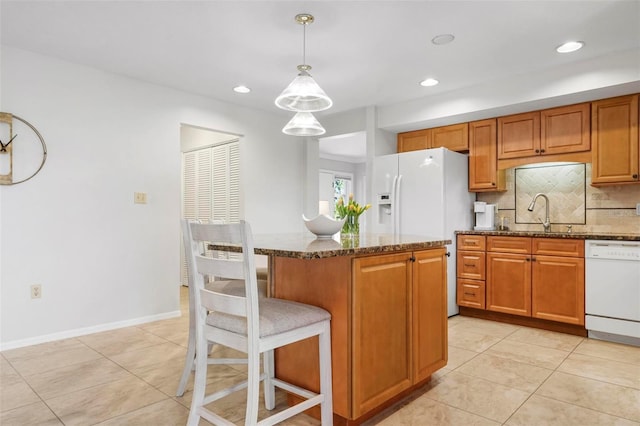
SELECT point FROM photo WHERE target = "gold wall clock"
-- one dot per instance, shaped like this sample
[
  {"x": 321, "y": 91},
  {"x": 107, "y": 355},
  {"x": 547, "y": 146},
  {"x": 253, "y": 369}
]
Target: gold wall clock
[{"x": 22, "y": 150}]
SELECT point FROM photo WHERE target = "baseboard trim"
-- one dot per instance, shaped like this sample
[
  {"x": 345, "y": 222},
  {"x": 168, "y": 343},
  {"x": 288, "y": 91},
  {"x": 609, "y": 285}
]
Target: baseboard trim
[{"x": 15, "y": 344}]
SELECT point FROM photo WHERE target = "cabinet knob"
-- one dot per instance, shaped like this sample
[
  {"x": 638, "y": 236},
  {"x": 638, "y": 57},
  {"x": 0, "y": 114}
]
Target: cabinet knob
[
  {"x": 537, "y": 151},
  {"x": 542, "y": 151},
  {"x": 528, "y": 260},
  {"x": 635, "y": 176},
  {"x": 493, "y": 184}
]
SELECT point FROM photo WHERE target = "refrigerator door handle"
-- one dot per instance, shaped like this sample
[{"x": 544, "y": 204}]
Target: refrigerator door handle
[
  {"x": 393, "y": 204},
  {"x": 396, "y": 201}
]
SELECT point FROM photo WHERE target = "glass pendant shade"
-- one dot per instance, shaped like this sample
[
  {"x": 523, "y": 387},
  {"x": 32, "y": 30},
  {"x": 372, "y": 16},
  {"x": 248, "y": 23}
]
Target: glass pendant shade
[
  {"x": 303, "y": 95},
  {"x": 303, "y": 124}
]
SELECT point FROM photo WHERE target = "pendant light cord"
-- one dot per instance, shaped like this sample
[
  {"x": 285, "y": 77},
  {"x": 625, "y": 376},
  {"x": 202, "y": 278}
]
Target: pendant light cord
[{"x": 304, "y": 44}]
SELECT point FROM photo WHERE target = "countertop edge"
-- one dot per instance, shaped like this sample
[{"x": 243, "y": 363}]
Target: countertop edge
[
  {"x": 562, "y": 235},
  {"x": 353, "y": 251}
]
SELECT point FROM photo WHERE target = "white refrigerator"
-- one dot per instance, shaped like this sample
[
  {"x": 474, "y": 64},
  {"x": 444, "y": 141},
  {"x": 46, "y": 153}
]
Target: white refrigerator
[{"x": 424, "y": 193}]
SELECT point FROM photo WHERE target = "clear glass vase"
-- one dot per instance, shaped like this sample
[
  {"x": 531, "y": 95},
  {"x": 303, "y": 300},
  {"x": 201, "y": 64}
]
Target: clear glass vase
[{"x": 351, "y": 227}]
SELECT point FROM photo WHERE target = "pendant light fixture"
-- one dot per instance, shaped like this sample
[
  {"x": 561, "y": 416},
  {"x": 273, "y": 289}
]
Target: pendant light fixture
[
  {"x": 303, "y": 124},
  {"x": 303, "y": 94}
]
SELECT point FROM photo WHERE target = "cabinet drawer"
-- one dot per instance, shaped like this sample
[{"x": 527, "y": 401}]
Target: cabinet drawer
[
  {"x": 471, "y": 265},
  {"x": 558, "y": 247},
  {"x": 470, "y": 293},
  {"x": 521, "y": 245},
  {"x": 471, "y": 242}
]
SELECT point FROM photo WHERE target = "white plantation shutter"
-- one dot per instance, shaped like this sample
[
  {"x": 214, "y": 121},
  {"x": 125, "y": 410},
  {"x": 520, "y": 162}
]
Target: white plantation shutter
[
  {"x": 189, "y": 185},
  {"x": 211, "y": 187},
  {"x": 226, "y": 183}
]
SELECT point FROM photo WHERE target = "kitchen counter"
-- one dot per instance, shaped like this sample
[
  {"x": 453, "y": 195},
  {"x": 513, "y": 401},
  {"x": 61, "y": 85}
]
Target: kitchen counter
[
  {"x": 572, "y": 235},
  {"x": 306, "y": 246},
  {"x": 387, "y": 299}
]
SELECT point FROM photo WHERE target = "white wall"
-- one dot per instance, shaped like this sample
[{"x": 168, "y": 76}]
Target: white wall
[
  {"x": 102, "y": 260},
  {"x": 617, "y": 74}
]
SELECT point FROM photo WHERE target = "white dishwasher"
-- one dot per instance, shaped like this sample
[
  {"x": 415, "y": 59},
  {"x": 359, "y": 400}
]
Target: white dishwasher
[{"x": 612, "y": 290}]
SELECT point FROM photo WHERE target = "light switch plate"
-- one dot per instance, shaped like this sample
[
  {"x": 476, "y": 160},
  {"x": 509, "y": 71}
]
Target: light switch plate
[
  {"x": 638, "y": 209},
  {"x": 140, "y": 197}
]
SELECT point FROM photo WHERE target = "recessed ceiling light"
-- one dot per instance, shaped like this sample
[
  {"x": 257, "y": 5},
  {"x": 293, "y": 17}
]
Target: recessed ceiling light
[
  {"x": 429, "y": 82},
  {"x": 241, "y": 89},
  {"x": 442, "y": 39},
  {"x": 570, "y": 46}
]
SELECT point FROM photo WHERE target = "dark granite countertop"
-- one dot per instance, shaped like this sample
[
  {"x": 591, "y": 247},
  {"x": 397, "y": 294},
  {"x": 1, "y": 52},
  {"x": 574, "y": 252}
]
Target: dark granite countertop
[
  {"x": 306, "y": 246},
  {"x": 573, "y": 235}
]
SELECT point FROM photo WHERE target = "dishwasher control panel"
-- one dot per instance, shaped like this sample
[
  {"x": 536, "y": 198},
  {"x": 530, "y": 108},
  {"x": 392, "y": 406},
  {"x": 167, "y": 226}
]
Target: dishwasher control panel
[{"x": 620, "y": 250}]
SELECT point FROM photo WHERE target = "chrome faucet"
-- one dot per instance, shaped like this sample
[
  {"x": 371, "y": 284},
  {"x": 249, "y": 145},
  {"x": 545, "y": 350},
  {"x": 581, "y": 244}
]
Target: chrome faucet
[{"x": 547, "y": 221}]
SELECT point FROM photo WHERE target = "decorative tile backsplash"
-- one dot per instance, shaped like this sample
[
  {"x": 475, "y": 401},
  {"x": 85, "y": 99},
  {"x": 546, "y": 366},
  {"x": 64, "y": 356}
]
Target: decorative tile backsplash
[
  {"x": 572, "y": 200},
  {"x": 563, "y": 184}
]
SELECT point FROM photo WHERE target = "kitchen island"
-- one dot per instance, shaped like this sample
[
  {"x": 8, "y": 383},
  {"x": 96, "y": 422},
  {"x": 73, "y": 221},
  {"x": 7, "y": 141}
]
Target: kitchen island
[{"x": 388, "y": 304}]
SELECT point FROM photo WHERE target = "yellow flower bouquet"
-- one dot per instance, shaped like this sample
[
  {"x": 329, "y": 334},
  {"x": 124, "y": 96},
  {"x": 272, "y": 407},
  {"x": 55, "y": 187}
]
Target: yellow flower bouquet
[{"x": 352, "y": 211}]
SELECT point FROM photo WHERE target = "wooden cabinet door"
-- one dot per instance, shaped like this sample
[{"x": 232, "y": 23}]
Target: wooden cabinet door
[
  {"x": 565, "y": 129},
  {"x": 381, "y": 329},
  {"x": 470, "y": 265},
  {"x": 471, "y": 293},
  {"x": 484, "y": 175},
  {"x": 614, "y": 140},
  {"x": 413, "y": 141},
  {"x": 508, "y": 286},
  {"x": 454, "y": 137},
  {"x": 558, "y": 289},
  {"x": 519, "y": 135},
  {"x": 429, "y": 305}
]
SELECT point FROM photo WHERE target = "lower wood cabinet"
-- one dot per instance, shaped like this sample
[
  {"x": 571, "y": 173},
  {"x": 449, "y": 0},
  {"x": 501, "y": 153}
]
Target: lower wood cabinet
[
  {"x": 547, "y": 282},
  {"x": 471, "y": 293},
  {"x": 558, "y": 289},
  {"x": 388, "y": 324},
  {"x": 381, "y": 329},
  {"x": 430, "y": 322},
  {"x": 530, "y": 277},
  {"x": 399, "y": 334},
  {"x": 509, "y": 283},
  {"x": 470, "y": 271}
]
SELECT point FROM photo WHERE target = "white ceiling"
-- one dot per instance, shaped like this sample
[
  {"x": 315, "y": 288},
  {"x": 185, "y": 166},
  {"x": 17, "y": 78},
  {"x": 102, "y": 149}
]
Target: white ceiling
[{"x": 363, "y": 53}]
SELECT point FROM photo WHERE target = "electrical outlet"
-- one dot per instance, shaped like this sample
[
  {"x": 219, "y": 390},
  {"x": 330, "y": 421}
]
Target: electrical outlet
[
  {"x": 638, "y": 209},
  {"x": 36, "y": 291},
  {"x": 140, "y": 197}
]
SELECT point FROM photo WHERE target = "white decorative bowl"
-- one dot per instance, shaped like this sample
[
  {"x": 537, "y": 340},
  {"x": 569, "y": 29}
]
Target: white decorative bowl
[{"x": 323, "y": 226}]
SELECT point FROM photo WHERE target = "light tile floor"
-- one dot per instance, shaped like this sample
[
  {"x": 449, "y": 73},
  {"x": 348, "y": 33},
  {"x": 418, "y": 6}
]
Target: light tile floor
[{"x": 497, "y": 374}]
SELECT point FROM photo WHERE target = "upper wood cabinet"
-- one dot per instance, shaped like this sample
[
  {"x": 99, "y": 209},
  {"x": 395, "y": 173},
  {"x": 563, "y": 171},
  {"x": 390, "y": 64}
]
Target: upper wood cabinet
[
  {"x": 553, "y": 131},
  {"x": 614, "y": 140},
  {"x": 484, "y": 175},
  {"x": 565, "y": 129},
  {"x": 454, "y": 138},
  {"x": 413, "y": 141},
  {"x": 519, "y": 135}
]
